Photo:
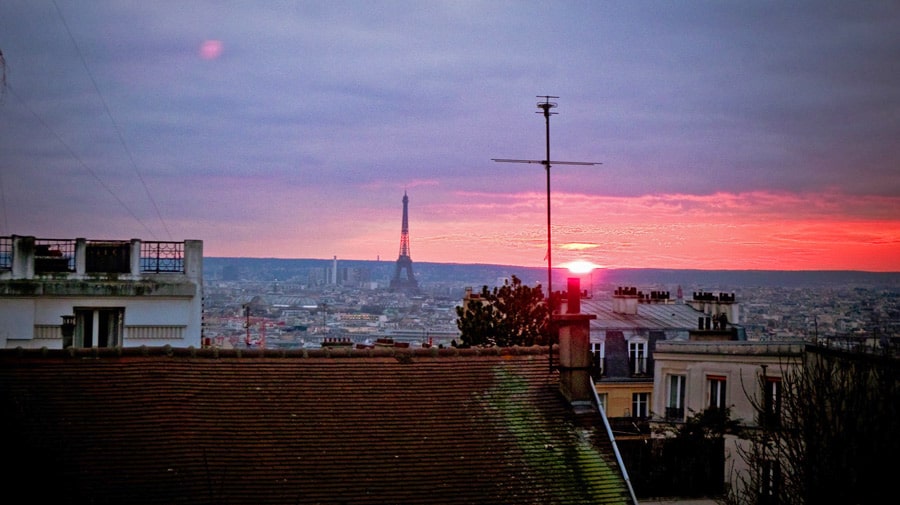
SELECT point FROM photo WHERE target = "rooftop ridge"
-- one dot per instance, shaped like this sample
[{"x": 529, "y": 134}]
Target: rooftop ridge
[{"x": 250, "y": 354}]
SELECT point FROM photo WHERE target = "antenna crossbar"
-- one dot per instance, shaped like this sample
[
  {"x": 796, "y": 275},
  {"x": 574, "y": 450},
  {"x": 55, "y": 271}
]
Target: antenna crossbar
[{"x": 544, "y": 162}]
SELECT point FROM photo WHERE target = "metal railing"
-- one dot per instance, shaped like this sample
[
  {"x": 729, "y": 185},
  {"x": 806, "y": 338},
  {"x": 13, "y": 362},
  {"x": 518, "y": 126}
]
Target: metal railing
[
  {"x": 54, "y": 255},
  {"x": 162, "y": 257},
  {"x": 6, "y": 253},
  {"x": 675, "y": 413},
  {"x": 108, "y": 256}
]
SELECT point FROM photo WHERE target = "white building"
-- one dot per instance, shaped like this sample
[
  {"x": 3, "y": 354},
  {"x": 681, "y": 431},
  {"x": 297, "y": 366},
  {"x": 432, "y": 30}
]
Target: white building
[
  {"x": 112, "y": 293},
  {"x": 745, "y": 377}
]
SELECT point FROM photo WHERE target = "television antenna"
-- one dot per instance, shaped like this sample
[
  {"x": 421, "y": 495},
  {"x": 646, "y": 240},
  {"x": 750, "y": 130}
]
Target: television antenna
[{"x": 545, "y": 107}]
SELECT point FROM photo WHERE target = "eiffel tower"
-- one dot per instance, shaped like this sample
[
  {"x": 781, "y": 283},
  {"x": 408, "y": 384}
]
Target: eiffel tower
[{"x": 404, "y": 262}]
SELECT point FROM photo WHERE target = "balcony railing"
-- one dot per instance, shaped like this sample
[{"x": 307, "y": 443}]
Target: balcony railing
[
  {"x": 674, "y": 413},
  {"x": 108, "y": 256},
  {"x": 27, "y": 256},
  {"x": 54, "y": 255},
  {"x": 162, "y": 257},
  {"x": 6, "y": 253}
]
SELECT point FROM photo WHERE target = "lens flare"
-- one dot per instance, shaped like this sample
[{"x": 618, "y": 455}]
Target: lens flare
[{"x": 211, "y": 49}]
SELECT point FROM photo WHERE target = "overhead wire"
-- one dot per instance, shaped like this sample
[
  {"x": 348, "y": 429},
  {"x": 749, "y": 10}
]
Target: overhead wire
[
  {"x": 115, "y": 125},
  {"x": 5, "y": 228},
  {"x": 78, "y": 159}
]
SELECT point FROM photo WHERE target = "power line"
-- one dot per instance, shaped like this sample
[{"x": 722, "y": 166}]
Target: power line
[
  {"x": 113, "y": 121},
  {"x": 79, "y": 160},
  {"x": 2, "y": 189}
]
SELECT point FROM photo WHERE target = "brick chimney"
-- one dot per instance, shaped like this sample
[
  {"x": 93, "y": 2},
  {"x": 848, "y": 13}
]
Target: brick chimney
[{"x": 574, "y": 350}]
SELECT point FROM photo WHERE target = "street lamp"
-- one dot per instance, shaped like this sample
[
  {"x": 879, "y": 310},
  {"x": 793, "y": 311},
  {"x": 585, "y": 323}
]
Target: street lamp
[{"x": 68, "y": 330}]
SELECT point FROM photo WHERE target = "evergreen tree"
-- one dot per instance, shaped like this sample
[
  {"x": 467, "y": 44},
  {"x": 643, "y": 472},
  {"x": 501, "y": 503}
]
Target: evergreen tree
[{"x": 512, "y": 314}]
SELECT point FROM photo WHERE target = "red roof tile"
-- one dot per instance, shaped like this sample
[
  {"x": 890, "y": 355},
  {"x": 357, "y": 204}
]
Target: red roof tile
[{"x": 379, "y": 426}]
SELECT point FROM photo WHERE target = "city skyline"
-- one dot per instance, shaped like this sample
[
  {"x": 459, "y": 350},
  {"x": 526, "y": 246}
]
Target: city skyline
[{"x": 732, "y": 135}]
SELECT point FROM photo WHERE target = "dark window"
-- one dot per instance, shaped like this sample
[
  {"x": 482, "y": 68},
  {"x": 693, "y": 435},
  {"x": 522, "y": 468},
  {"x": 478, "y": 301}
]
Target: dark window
[
  {"x": 771, "y": 414},
  {"x": 637, "y": 357},
  {"x": 770, "y": 482},
  {"x": 717, "y": 387},
  {"x": 675, "y": 402},
  {"x": 99, "y": 327},
  {"x": 598, "y": 360}
]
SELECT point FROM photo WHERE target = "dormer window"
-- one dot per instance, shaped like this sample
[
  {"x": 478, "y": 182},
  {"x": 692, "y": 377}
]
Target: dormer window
[{"x": 637, "y": 357}]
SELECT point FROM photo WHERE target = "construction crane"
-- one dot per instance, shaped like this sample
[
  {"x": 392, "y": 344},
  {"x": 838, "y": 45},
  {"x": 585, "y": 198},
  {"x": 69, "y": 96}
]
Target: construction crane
[{"x": 260, "y": 340}]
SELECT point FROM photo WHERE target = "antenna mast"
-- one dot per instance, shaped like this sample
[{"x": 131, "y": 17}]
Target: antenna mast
[{"x": 545, "y": 107}]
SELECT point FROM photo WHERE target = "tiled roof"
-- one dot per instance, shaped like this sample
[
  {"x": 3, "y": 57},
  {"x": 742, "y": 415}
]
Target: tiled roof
[{"x": 382, "y": 426}]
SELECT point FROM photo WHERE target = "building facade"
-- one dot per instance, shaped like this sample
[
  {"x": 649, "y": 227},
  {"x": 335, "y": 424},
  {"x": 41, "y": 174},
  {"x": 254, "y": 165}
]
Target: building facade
[
  {"x": 60, "y": 293},
  {"x": 745, "y": 377},
  {"x": 624, "y": 336}
]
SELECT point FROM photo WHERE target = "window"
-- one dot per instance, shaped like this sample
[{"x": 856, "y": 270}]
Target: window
[
  {"x": 716, "y": 386},
  {"x": 598, "y": 358},
  {"x": 771, "y": 414},
  {"x": 637, "y": 357},
  {"x": 770, "y": 481},
  {"x": 603, "y": 399},
  {"x": 640, "y": 403},
  {"x": 99, "y": 327},
  {"x": 675, "y": 401}
]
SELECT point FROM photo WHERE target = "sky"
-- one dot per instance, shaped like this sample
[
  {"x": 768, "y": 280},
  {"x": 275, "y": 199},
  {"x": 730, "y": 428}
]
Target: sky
[{"x": 731, "y": 134}]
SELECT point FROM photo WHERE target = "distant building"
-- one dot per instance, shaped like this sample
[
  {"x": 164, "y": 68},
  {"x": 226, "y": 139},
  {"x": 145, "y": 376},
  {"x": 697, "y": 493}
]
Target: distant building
[{"x": 123, "y": 293}]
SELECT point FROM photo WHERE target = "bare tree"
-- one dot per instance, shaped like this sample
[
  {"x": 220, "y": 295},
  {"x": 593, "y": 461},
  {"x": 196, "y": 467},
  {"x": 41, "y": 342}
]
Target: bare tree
[{"x": 825, "y": 436}]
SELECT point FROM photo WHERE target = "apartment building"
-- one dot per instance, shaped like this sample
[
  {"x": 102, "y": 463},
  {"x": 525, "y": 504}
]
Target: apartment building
[
  {"x": 624, "y": 336},
  {"x": 81, "y": 293},
  {"x": 693, "y": 376}
]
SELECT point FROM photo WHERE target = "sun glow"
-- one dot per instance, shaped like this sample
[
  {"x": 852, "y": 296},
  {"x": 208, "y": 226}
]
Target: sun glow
[{"x": 581, "y": 266}]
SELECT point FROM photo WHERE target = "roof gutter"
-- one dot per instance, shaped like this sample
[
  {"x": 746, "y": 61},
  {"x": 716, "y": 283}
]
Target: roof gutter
[{"x": 612, "y": 439}]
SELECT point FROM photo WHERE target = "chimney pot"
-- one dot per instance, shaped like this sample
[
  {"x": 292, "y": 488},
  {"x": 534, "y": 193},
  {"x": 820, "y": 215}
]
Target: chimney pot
[{"x": 573, "y": 302}]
